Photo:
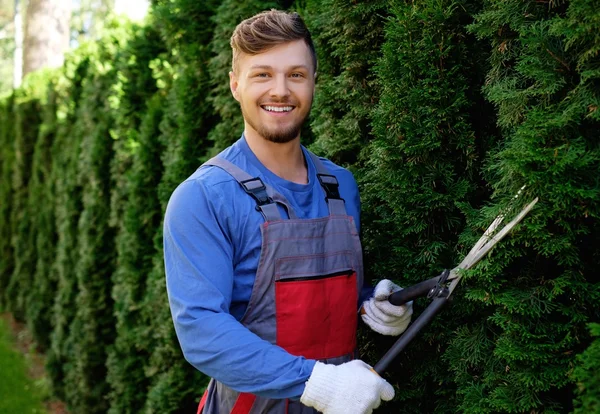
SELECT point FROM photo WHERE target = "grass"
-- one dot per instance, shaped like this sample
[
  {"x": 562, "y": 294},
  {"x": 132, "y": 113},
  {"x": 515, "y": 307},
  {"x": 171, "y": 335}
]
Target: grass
[{"x": 19, "y": 394}]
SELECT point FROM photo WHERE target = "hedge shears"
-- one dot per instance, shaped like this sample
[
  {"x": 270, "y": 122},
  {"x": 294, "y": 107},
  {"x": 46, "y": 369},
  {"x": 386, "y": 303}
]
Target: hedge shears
[{"x": 441, "y": 287}]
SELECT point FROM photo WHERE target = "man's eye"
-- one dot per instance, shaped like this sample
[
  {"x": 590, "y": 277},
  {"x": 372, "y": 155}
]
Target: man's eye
[
  {"x": 297, "y": 75},
  {"x": 261, "y": 75}
]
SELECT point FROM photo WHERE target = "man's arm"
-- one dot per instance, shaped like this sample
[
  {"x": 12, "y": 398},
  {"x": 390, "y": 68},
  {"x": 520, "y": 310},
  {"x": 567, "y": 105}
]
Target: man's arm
[{"x": 199, "y": 272}]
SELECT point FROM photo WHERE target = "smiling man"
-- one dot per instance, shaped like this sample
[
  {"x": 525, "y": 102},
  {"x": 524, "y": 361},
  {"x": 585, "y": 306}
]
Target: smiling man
[{"x": 262, "y": 254}]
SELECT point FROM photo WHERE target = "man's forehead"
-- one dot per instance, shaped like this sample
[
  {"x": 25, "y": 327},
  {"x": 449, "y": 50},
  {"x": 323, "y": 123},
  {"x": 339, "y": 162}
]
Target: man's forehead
[
  {"x": 292, "y": 66},
  {"x": 286, "y": 56}
]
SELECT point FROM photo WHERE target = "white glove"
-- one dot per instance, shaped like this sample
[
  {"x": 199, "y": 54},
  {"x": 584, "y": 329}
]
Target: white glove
[
  {"x": 349, "y": 388},
  {"x": 381, "y": 315}
]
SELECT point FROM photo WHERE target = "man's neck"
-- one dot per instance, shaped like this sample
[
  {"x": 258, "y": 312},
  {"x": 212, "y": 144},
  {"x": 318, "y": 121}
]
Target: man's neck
[{"x": 284, "y": 160}]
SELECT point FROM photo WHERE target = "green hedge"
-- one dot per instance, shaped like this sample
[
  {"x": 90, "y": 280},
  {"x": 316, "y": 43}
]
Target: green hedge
[{"x": 443, "y": 110}]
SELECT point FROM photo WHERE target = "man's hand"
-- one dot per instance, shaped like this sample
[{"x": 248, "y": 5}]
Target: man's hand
[
  {"x": 349, "y": 388},
  {"x": 381, "y": 315}
]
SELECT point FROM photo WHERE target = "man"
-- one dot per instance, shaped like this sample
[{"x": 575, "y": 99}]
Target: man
[{"x": 263, "y": 260}]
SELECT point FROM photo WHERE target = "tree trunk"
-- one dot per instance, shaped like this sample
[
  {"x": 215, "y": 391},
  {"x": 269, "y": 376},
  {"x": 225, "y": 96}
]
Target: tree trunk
[
  {"x": 18, "y": 56},
  {"x": 46, "y": 34}
]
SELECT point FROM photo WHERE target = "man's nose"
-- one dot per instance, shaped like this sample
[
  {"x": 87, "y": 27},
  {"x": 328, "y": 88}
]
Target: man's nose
[{"x": 280, "y": 86}]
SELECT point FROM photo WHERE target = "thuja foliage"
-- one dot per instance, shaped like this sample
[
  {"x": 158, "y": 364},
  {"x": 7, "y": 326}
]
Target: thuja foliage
[
  {"x": 92, "y": 328},
  {"x": 539, "y": 289},
  {"x": 187, "y": 118},
  {"x": 348, "y": 37},
  {"x": 27, "y": 108},
  {"x": 586, "y": 374},
  {"x": 421, "y": 173},
  {"x": 40, "y": 296},
  {"x": 67, "y": 209},
  {"x": 443, "y": 110},
  {"x": 6, "y": 195},
  {"x": 136, "y": 170}
]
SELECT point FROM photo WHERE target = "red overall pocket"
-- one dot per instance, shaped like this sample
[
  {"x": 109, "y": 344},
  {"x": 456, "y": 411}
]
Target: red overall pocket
[{"x": 317, "y": 316}]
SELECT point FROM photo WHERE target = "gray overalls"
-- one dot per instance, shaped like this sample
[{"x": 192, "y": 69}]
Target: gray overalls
[{"x": 305, "y": 294}]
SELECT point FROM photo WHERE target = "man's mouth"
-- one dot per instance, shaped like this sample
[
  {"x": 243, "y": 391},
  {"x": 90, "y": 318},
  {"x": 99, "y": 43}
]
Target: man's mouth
[{"x": 280, "y": 109}]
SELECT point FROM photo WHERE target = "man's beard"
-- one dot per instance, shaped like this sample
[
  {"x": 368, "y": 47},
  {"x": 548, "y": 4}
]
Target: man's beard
[{"x": 281, "y": 136}]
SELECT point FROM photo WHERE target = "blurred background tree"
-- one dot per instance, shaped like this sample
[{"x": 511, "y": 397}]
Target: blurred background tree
[
  {"x": 75, "y": 21},
  {"x": 7, "y": 44},
  {"x": 46, "y": 34}
]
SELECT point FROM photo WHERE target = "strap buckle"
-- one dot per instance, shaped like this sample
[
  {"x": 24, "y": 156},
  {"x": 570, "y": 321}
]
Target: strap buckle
[
  {"x": 330, "y": 185},
  {"x": 257, "y": 189}
]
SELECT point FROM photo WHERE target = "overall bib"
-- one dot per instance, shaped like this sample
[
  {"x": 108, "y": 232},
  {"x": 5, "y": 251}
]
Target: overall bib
[{"x": 305, "y": 294}]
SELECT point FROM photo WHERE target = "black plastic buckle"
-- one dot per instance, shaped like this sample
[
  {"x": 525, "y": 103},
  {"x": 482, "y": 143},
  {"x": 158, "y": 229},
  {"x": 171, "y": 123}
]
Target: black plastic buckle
[
  {"x": 331, "y": 186},
  {"x": 257, "y": 189},
  {"x": 440, "y": 290}
]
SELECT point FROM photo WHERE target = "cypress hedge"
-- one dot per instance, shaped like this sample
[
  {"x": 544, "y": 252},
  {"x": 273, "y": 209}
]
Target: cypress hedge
[
  {"x": 92, "y": 328},
  {"x": 40, "y": 296},
  {"x": 348, "y": 38},
  {"x": 27, "y": 109},
  {"x": 67, "y": 209},
  {"x": 443, "y": 110},
  {"x": 135, "y": 213},
  {"x": 420, "y": 179},
  {"x": 7, "y": 261}
]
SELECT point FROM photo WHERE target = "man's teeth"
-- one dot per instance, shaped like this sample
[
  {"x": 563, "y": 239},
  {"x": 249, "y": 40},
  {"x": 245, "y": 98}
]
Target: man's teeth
[{"x": 279, "y": 108}]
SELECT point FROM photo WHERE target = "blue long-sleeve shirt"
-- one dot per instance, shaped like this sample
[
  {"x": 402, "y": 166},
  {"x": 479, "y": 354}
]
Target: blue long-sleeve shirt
[{"x": 212, "y": 244}]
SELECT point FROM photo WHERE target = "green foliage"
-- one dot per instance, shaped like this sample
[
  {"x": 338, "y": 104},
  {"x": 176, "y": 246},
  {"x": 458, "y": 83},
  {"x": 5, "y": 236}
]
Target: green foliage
[
  {"x": 135, "y": 247},
  {"x": 442, "y": 109},
  {"x": 420, "y": 175},
  {"x": 136, "y": 169},
  {"x": 348, "y": 37},
  {"x": 92, "y": 328},
  {"x": 27, "y": 121},
  {"x": 539, "y": 288},
  {"x": 6, "y": 165},
  {"x": 188, "y": 117},
  {"x": 40, "y": 297},
  {"x": 586, "y": 375},
  {"x": 67, "y": 209}
]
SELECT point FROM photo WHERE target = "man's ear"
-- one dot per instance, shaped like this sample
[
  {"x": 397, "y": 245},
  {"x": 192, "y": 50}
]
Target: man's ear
[{"x": 233, "y": 85}]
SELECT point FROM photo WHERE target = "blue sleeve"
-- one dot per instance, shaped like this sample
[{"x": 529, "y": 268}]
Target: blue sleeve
[{"x": 199, "y": 274}]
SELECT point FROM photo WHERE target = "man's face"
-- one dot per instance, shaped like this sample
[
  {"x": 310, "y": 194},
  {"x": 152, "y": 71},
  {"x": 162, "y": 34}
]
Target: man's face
[{"x": 275, "y": 90}]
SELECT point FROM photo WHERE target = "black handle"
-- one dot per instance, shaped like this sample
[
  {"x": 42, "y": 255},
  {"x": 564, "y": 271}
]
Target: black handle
[
  {"x": 410, "y": 333},
  {"x": 413, "y": 292}
]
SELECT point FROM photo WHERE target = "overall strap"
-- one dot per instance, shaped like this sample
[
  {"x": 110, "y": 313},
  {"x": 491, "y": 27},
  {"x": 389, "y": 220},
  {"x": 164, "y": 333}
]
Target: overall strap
[
  {"x": 331, "y": 187},
  {"x": 265, "y": 196}
]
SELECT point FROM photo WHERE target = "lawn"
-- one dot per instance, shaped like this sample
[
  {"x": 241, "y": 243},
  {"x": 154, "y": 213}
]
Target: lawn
[{"x": 18, "y": 393}]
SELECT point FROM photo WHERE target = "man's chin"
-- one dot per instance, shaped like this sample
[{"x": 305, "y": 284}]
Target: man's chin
[{"x": 280, "y": 137}]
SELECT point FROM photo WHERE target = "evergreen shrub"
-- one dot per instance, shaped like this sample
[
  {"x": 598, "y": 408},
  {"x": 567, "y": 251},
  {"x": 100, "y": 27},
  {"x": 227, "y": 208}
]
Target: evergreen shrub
[{"x": 443, "y": 110}]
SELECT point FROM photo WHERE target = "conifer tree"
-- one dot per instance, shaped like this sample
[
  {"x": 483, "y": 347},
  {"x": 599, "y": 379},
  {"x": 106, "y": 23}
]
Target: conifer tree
[
  {"x": 6, "y": 195},
  {"x": 420, "y": 174},
  {"x": 86, "y": 174},
  {"x": 67, "y": 207},
  {"x": 136, "y": 169},
  {"x": 347, "y": 37},
  {"x": 92, "y": 328},
  {"x": 40, "y": 298},
  {"x": 175, "y": 385},
  {"x": 540, "y": 289},
  {"x": 26, "y": 123},
  {"x": 586, "y": 375}
]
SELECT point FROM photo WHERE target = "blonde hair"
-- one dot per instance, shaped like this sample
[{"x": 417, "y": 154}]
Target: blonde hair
[{"x": 269, "y": 29}]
